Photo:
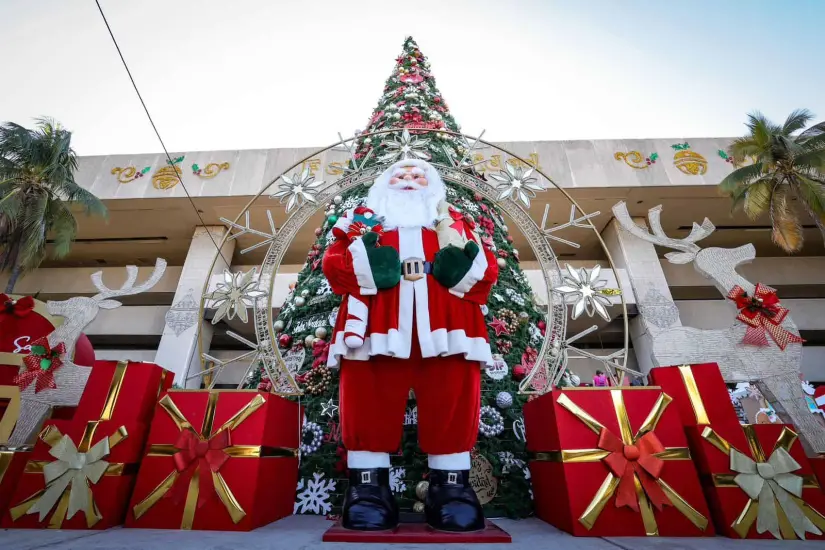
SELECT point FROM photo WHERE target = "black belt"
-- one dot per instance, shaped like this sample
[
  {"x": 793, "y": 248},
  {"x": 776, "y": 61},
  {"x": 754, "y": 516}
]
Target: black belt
[{"x": 413, "y": 269}]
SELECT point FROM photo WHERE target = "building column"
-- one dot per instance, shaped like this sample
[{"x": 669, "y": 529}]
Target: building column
[
  {"x": 657, "y": 310},
  {"x": 178, "y": 350}
]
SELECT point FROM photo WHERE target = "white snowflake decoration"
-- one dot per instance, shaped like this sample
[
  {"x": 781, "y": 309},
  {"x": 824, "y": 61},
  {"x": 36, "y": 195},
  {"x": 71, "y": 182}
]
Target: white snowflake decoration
[
  {"x": 584, "y": 291},
  {"x": 498, "y": 297},
  {"x": 234, "y": 295},
  {"x": 397, "y": 484},
  {"x": 516, "y": 183},
  {"x": 407, "y": 147},
  {"x": 314, "y": 497},
  {"x": 298, "y": 189}
]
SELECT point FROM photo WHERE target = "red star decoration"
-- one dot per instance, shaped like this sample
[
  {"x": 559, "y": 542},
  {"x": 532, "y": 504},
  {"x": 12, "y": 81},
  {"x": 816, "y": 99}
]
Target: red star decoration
[{"x": 499, "y": 326}]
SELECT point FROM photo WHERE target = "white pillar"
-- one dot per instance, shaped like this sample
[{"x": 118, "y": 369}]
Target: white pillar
[
  {"x": 178, "y": 350},
  {"x": 657, "y": 311}
]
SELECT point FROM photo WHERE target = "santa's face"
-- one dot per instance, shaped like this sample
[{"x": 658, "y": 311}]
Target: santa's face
[{"x": 408, "y": 178}]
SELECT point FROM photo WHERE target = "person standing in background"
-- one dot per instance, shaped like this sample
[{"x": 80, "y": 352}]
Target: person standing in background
[{"x": 600, "y": 380}]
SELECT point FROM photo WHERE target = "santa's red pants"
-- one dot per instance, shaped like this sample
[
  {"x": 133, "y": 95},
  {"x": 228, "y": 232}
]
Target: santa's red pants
[{"x": 373, "y": 399}]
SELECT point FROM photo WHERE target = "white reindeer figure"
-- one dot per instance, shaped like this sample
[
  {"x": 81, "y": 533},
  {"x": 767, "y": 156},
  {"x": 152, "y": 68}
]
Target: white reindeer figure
[
  {"x": 70, "y": 379},
  {"x": 776, "y": 372}
]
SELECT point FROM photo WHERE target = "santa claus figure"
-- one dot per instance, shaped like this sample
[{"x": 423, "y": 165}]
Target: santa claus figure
[{"x": 414, "y": 278}]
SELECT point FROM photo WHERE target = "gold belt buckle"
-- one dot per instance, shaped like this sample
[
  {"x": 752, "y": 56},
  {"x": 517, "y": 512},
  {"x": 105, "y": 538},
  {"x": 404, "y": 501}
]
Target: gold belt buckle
[{"x": 413, "y": 269}]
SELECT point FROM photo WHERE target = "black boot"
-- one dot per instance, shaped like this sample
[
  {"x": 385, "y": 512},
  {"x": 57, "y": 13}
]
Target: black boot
[
  {"x": 369, "y": 504},
  {"x": 451, "y": 503}
]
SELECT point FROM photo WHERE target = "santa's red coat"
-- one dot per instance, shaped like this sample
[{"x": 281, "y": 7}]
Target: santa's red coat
[{"x": 444, "y": 321}]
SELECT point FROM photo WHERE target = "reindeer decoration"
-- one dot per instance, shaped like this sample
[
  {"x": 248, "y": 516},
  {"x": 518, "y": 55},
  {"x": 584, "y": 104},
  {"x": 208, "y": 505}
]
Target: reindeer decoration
[
  {"x": 70, "y": 379},
  {"x": 775, "y": 371}
]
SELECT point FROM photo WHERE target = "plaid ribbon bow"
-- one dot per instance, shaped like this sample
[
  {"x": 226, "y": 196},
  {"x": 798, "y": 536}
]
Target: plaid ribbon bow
[{"x": 762, "y": 312}]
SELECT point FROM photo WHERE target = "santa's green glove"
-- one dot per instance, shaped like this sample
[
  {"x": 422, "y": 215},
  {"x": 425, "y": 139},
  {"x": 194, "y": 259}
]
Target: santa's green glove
[
  {"x": 376, "y": 267},
  {"x": 452, "y": 264}
]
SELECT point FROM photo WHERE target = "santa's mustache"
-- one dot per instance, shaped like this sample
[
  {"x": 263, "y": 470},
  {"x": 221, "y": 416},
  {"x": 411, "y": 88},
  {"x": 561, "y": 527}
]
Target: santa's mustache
[{"x": 405, "y": 185}]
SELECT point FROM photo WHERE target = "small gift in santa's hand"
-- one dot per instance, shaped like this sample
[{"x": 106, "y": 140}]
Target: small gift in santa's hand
[
  {"x": 209, "y": 455},
  {"x": 613, "y": 462},
  {"x": 699, "y": 394},
  {"x": 767, "y": 489}
]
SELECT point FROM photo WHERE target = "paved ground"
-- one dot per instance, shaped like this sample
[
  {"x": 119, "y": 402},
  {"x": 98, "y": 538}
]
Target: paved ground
[{"x": 304, "y": 532}]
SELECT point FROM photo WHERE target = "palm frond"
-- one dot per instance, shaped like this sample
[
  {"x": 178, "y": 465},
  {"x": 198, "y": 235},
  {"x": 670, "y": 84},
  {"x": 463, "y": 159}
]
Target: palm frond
[
  {"x": 796, "y": 121},
  {"x": 787, "y": 232},
  {"x": 744, "y": 147},
  {"x": 811, "y": 160},
  {"x": 812, "y": 194},
  {"x": 758, "y": 197},
  {"x": 815, "y": 130},
  {"x": 741, "y": 177},
  {"x": 63, "y": 227}
]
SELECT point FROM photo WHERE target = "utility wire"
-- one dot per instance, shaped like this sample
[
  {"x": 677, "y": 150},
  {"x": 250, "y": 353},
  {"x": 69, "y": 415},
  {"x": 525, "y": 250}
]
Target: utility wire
[{"x": 157, "y": 133}]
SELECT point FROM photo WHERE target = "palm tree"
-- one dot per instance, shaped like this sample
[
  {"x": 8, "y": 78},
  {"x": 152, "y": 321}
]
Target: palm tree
[
  {"x": 37, "y": 192},
  {"x": 785, "y": 167}
]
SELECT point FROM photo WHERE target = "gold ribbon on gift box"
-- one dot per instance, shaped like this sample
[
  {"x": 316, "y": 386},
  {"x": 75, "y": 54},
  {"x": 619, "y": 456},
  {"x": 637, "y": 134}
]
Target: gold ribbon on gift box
[
  {"x": 611, "y": 483},
  {"x": 206, "y": 434},
  {"x": 694, "y": 396},
  {"x": 69, "y": 478},
  {"x": 775, "y": 493},
  {"x": 11, "y": 395}
]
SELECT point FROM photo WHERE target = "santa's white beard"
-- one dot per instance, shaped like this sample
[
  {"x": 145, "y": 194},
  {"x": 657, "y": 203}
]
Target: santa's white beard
[{"x": 416, "y": 208}]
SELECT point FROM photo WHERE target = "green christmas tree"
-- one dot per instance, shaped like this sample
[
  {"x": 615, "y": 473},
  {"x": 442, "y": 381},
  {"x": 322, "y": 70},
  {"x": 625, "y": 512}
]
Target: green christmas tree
[{"x": 412, "y": 101}]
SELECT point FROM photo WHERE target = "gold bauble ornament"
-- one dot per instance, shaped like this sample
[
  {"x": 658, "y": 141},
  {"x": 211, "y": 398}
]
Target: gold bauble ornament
[{"x": 421, "y": 489}]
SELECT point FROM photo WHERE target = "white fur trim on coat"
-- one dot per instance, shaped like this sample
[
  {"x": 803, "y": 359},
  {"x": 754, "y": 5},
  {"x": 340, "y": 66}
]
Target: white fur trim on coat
[{"x": 361, "y": 266}]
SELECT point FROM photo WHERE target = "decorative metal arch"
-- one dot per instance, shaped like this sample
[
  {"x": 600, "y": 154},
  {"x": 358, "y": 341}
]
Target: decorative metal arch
[{"x": 553, "y": 353}]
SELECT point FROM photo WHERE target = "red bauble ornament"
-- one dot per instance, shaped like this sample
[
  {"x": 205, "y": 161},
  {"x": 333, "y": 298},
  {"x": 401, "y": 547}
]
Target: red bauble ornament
[
  {"x": 318, "y": 231},
  {"x": 519, "y": 372},
  {"x": 477, "y": 197},
  {"x": 437, "y": 99},
  {"x": 284, "y": 340}
]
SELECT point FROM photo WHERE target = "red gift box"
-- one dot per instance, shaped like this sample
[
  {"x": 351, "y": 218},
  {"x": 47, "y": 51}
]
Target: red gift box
[
  {"x": 109, "y": 430},
  {"x": 145, "y": 382},
  {"x": 218, "y": 460},
  {"x": 53, "y": 492},
  {"x": 699, "y": 393},
  {"x": 764, "y": 487},
  {"x": 818, "y": 465},
  {"x": 613, "y": 462},
  {"x": 12, "y": 463}
]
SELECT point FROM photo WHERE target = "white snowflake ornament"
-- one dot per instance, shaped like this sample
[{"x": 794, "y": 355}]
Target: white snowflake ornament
[{"x": 313, "y": 497}]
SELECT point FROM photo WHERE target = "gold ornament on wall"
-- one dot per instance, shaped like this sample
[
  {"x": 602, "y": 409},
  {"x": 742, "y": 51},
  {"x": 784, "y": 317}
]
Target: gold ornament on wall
[
  {"x": 212, "y": 169},
  {"x": 689, "y": 162},
  {"x": 129, "y": 173},
  {"x": 168, "y": 176},
  {"x": 482, "y": 480},
  {"x": 634, "y": 159}
]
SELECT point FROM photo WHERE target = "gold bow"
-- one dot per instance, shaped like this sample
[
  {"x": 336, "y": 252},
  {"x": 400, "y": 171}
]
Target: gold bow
[
  {"x": 768, "y": 482},
  {"x": 611, "y": 482},
  {"x": 206, "y": 432},
  {"x": 66, "y": 478}
]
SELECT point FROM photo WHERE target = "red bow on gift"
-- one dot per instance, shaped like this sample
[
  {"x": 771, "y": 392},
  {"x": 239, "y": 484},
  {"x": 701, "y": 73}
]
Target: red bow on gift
[
  {"x": 762, "y": 313},
  {"x": 19, "y": 308},
  {"x": 637, "y": 460},
  {"x": 320, "y": 351},
  {"x": 41, "y": 365},
  {"x": 204, "y": 457},
  {"x": 461, "y": 222}
]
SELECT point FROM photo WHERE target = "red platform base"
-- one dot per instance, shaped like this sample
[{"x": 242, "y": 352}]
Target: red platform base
[{"x": 417, "y": 533}]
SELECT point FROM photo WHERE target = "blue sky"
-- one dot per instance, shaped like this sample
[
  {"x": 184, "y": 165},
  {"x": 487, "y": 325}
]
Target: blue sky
[{"x": 245, "y": 74}]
